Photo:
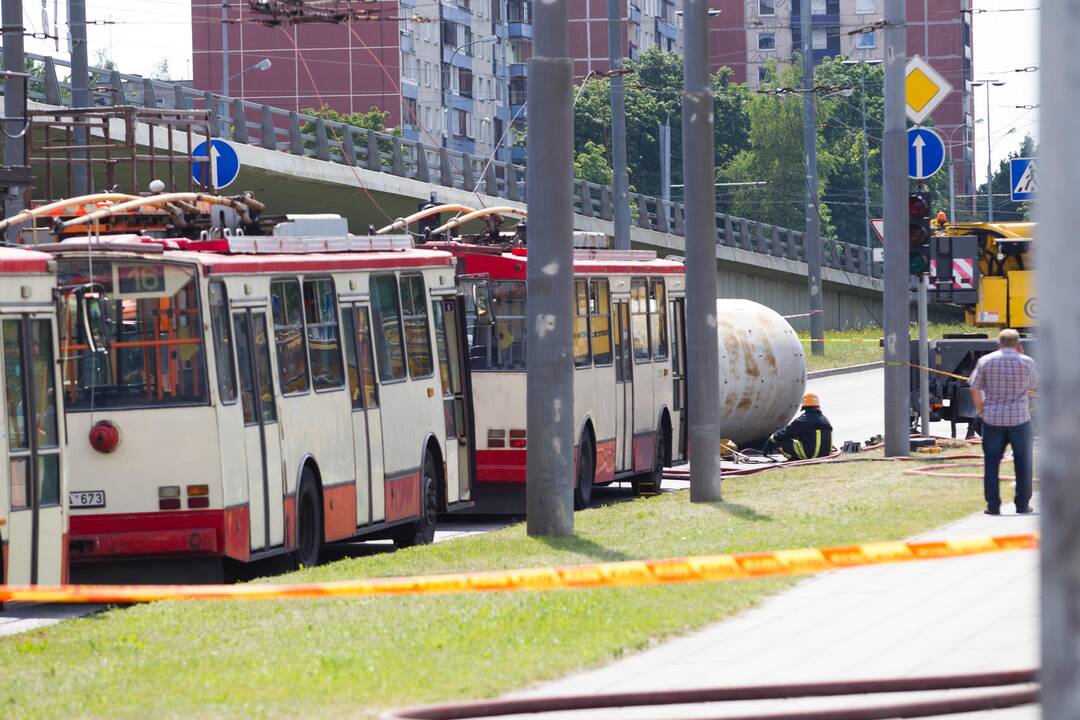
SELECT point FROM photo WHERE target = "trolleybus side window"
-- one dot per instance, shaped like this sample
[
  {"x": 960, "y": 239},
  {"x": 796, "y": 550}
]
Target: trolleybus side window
[
  {"x": 639, "y": 319},
  {"x": 262, "y": 367},
  {"x": 582, "y": 355},
  {"x": 600, "y": 321},
  {"x": 658, "y": 319},
  {"x": 286, "y": 302},
  {"x": 223, "y": 345},
  {"x": 153, "y": 353},
  {"x": 417, "y": 333},
  {"x": 320, "y": 314},
  {"x": 386, "y": 317},
  {"x": 363, "y": 389},
  {"x": 38, "y": 379}
]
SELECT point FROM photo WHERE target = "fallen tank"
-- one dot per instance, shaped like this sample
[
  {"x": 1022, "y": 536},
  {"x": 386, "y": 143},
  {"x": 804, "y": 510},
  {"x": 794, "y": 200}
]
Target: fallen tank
[{"x": 762, "y": 371}]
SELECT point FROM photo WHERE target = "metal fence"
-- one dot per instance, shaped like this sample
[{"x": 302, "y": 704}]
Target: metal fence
[{"x": 309, "y": 136}]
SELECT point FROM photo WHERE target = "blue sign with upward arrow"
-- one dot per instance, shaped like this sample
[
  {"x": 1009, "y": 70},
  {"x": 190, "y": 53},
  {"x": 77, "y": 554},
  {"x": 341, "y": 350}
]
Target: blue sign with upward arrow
[
  {"x": 224, "y": 165},
  {"x": 926, "y": 153}
]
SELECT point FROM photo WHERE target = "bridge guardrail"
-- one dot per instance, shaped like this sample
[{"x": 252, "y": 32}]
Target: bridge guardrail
[{"x": 297, "y": 133}]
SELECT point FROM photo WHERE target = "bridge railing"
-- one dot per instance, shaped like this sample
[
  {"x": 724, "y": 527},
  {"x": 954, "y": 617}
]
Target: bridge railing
[{"x": 305, "y": 135}]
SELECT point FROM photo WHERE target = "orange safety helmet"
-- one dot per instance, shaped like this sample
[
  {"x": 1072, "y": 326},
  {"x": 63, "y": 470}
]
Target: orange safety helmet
[{"x": 811, "y": 400}]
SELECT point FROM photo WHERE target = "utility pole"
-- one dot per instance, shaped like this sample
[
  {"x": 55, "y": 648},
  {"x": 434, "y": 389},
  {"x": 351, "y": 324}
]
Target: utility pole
[
  {"x": 865, "y": 154},
  {"x": 1059, "y": 346},
  {"x": 699, "y": 174},
  {"x": 665, "y": 161},
  {"x": 14, "y": 98},
  {"x": 812, "y": 236},
  {"x": 924, "y": 355},
  {"x": 618, "y": 125},
  {"x": 80, "y": 89},
  {"x": 549, "y": 394},
  {"x": 224, "y": 117},
  {"x": 895, "y": 190}
]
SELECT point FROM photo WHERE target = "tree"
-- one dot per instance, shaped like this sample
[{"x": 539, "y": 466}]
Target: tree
[
  {"x": 103, "y": 60},
  {"x": 161, "y": 70},
  {"x": 592, "y": 164}
]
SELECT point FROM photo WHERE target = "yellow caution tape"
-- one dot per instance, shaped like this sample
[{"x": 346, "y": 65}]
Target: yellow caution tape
[{"x": 706, "y": 568}]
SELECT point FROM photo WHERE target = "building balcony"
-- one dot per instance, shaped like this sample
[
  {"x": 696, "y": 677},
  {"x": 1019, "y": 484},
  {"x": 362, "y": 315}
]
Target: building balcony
[
  {"x": 519, "y": 70},
  {"x": 520, "y": 30},
  {"x": 518, "y": 154}
]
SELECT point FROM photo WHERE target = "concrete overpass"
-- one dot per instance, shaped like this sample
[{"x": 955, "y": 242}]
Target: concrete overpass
[{"x": 298, "y": 163}]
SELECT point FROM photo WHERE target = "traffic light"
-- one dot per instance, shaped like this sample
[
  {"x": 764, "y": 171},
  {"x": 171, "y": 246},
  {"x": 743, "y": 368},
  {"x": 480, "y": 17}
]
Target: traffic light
[{"x": 919, "y": 203}]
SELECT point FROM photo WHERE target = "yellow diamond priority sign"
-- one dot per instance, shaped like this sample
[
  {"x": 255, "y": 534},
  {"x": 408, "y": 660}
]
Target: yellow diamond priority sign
[{"x": 924, "y": 89}]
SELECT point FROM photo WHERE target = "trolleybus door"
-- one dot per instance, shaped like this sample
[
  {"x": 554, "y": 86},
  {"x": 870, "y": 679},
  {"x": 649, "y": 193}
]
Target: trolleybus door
[
  {"x": 366, "y": 416},
  {"x": 678, "y": 371},
  {"x": 449, "y": 313},
  {"x": 36, "y": 519},
  {"x": 262, "y": 443},
  {"x": 624, "y": 388}
]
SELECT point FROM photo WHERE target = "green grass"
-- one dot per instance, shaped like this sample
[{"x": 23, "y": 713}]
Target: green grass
[
  {"x": 356, "y": 657},
  {"x": 842, "y": 354}
]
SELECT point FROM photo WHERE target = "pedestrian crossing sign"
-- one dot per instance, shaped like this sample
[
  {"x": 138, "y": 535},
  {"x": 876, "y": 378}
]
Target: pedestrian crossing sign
[{"x": 1023, "y": 180}]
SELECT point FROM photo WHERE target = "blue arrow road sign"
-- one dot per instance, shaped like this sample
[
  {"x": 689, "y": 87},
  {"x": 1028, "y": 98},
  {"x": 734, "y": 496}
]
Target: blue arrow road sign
[
  {"x": 925, "y": 151},
  {"x": 1023, "y": 182},
  {"x": 224, "y": 164}
]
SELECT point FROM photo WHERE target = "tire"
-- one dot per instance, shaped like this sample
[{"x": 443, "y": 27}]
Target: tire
[
  {"x": 650, "y": 483},
  {"x": 308, "y": 521},
  {"x": 422, "y": 531},
  {"x": 586, "y": 472}
]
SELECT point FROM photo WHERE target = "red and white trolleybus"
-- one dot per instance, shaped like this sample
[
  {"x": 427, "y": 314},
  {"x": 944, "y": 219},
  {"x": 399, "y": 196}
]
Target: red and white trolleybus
[
  {"x": 249, "y": 396},
  {"x": 629, "y": 359},
  {"x": 33, "y": 475}
]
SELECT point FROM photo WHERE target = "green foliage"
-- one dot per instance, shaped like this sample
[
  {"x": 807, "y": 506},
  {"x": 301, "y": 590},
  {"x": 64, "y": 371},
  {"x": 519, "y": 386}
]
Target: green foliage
[
  {"x": 1004, "y": 207},
  {"x": 592, "y": 164},
  {"x": 374, "y": 119}
]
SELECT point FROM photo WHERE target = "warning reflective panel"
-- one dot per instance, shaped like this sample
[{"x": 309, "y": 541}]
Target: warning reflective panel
[{"x": 924, "y": 89}]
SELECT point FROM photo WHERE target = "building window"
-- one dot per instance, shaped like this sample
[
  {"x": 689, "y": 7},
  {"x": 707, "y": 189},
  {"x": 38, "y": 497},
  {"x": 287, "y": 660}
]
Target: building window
[
  {"x": 821, "y": 39},
  {"x": 766, "y": 7},
  {"x": 866, "y": 41},
  {"x": 766, "y": 41},
  {"x": 864, "y": 7},
  {"x": 818, "y": 7}
]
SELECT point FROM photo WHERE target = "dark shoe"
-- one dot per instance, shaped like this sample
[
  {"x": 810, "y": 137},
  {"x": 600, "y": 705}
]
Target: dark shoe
[
  {"x": 1024, "y": 510},
  {"x": 992, "y": 511}
]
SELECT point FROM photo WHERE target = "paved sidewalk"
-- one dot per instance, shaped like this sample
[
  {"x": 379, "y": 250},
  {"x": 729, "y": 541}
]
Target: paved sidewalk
[{"x": 961, "y": 615}]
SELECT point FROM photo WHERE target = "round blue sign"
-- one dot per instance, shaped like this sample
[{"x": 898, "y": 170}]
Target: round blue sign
[
  {"x": 926, "y": 153},
  {"x": 224, "y": 165}
]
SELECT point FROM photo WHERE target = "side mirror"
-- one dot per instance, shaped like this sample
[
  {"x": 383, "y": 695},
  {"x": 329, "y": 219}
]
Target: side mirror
[
  {"x": 485, "y": 307},
  {"x": 93, "y": 310}
]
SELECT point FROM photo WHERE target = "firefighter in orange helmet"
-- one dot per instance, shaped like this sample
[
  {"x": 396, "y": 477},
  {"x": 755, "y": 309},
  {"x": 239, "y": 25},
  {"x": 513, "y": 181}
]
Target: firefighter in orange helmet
[{"x": 807, "y": 436}]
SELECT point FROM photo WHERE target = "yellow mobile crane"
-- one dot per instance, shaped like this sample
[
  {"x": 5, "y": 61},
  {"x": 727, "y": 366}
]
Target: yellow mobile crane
[{"x": 1003, "y": 296}]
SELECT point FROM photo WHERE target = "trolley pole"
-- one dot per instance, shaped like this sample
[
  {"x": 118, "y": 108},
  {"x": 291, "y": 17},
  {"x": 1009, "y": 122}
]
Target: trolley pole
[
  {"x": 1059, "y": 346},
  {"x": 699, "y": 173},
  {"x": 620, "y": 180},
  {"x": 549, "y": 395},
  {"x": 14, "y": 98},
  {"x": 924, "y": 356},
  {"x": 812, "y": 236},
  {"x": 896, "y": 299},
  {"x": 80, "y": 91}
]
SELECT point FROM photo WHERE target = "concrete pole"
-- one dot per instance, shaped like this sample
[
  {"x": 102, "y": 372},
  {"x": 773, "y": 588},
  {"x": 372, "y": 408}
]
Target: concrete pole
[
  {"x": 618, "y": 126},
  {"x": 14, "y": 98},
  {"x": 665, "y": 161},
  {"x": 952, "y": 187},
  {"x": 897, "y": 303},
  {"x": 924, "y": 356},
  {"x": 80, "y": 89},
  {"x": 699, "y": 175},
  {"x": 865, "y": 154},
  {"x": 989, "y": 162},
  {"x": 549, "y": 396},
  {"x": 224, "y": 115},
  {"x": 812, "y": 236},
  {"x": 1059, "y": 345}
]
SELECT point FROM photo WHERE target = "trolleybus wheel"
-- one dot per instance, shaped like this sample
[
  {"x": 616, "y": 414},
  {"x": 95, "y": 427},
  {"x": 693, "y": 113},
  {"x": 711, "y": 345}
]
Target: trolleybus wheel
[
  {"x": 649, "y": 484},
  {"x": 422, "y": 532},
  {"x": 308, "y": 521},
  {"x": 586, "y": 470}
]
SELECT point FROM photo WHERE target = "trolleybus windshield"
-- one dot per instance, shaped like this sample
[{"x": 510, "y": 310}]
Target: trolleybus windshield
[
  {"x": 153, "y": 351},
  {"x": 499, "y": 346}
]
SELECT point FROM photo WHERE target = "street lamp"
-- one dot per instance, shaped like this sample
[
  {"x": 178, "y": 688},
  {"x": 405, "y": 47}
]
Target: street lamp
[
  {"x": 989, "y": 155},
  {"x": 866, "y": 142},
  {"x": 263, "y": 64},
  {"x": 446, "y": 79}
]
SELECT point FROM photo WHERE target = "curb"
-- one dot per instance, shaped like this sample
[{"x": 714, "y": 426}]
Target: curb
[{"x": 814, "y": 375}]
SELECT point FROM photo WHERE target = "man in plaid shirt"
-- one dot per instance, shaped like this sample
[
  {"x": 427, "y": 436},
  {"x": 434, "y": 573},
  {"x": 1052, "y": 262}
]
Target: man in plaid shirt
[{"x": 1000, "y": 387}]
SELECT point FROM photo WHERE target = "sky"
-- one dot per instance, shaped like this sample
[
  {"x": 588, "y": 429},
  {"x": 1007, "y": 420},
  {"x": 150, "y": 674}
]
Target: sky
[{"x": 145, "y": 32}]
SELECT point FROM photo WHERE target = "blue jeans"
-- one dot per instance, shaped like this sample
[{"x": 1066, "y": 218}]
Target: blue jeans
[{"x": 994, "y": 440}]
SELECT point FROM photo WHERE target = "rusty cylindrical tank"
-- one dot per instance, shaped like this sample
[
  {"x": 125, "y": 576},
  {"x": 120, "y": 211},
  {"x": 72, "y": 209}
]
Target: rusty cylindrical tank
[{"x": 762, "y": 370}]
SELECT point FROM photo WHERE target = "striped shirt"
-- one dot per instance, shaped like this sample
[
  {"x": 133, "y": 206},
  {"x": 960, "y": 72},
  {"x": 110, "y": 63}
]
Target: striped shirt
[{"x": 1004, "y": 378}]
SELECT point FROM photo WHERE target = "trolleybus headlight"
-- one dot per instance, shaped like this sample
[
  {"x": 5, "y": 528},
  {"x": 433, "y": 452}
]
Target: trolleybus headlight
[{"x": 104, "y": 436}]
